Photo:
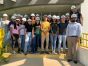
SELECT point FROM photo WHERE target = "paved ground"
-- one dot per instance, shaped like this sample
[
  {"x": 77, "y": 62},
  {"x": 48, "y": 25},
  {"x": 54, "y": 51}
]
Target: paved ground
[{"x": 39, "y": 60}]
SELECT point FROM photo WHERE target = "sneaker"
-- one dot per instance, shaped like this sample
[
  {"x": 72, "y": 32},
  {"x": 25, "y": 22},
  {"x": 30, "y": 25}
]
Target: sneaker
[
  {"x": 75, "y": 62},
  {"x": 47, "y": 52},
  {"x": 14, "y": 52},
  {"x": 69, "y": 60},
  {"x": 54, "y": 53},
  {"x": 42, "y": 52}
]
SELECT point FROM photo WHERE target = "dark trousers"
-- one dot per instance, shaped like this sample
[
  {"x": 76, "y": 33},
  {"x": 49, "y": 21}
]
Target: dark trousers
[
  {"x": 15, "y": 43},
  {"x": 33, "y": 46}
]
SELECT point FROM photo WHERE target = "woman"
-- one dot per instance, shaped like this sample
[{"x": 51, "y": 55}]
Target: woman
[{"x": 14, "y": 29}]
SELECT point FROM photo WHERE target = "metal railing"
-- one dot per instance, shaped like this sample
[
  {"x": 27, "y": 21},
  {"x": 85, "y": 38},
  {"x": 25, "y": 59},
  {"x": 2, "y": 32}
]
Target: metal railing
[{"x": 84, "y": 40}]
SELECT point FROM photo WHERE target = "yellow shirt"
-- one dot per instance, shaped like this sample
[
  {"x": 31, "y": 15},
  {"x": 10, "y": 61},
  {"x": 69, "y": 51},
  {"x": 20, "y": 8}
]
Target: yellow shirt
[{"x": 45, "y": 26}]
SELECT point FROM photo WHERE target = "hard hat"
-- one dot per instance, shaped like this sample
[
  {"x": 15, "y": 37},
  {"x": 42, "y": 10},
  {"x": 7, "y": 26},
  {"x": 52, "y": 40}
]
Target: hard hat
[
  {"x": 73, "y": 7},
  {"x": 29, "y": 20},
  {"x": 74, "y": 16},
  {"x": 67, "y": 14},
  {"x": 54, "y": 17},
  {"x": 24, "y": 19},
  {"x": 5, "y": 15},
  {"x": 37, "y": 15},
  {"x": 58, "y": 17},
  {"x": 63, "y": 16},
  {"x": 32, "y": 14},
  {"x": 37, "y": 18},
  {"x": 49, "y": 16},
  {"x": 13, "y": 17}
]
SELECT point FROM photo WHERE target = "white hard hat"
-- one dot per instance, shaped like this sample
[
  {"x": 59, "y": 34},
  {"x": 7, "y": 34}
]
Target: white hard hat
[
  {"x": 74, "y": 16},
  {"x": 24, "y": 19},
  {"x": 32, "y": 14},
  {"x": 13, "y": 17},
  {"x": 5, "y": 15},
  {"x": 73, "y": 7},
  {"x": 25, "y": 16},
  {"x": 67, "y": 14},
  {"x": 29, "y": 20},
  {"x": 37, "y": 15},
  {"x": 63, "y": 16},
  {"x": 18, "y": 19},
  {"x": 37, "y": 18},
  {"x": 45, "y": 15},
  {"x": 58, "y": 17},
  {"x": 54, "y": 17},
  {"x": 49, "y": 16}
]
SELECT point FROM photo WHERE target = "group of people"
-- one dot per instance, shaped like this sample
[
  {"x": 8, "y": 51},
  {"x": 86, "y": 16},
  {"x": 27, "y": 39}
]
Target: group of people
[{"x": 30, "y": 34}]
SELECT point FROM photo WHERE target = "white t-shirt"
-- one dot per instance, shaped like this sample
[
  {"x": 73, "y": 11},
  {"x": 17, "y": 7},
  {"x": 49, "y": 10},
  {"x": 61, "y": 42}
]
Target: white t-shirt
[{"x": 22, "y": 29}]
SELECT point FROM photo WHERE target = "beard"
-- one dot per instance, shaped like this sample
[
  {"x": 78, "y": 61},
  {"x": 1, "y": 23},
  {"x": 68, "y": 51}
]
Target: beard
[{"x": 73, "y": 20}]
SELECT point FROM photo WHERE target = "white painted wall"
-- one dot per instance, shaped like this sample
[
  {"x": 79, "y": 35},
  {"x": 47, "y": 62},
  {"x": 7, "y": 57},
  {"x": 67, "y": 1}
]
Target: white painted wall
[
  {"x": 83, "y": 56},
  {"x": 84, "y": 11}
]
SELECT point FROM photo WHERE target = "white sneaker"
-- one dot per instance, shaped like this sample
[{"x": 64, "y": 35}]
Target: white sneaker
[
  {"x": 14, "y": 52},
  {"x": 54, "y": 53}
]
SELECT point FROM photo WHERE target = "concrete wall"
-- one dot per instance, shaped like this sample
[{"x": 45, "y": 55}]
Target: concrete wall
[
  {"x": 83, "y": 56},
  {"x": 84, "y": 11}
]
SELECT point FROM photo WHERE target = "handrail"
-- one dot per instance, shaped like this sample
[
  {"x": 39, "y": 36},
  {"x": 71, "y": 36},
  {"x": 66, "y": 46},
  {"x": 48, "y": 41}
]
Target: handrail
[{"x": 84, "y": 40}]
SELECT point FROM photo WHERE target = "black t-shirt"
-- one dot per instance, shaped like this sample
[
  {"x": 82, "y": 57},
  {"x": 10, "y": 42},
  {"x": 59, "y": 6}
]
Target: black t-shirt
[
  {"x": 28, "y": 27},
  {"x": 54, "y": 27},
  {"x": 62, "y": 28}
]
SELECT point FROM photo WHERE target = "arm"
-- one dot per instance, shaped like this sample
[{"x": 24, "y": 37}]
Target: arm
[
  {"x": 81, "y": 19},
  {"x": 67, "y": 30},
  {"x": 79, "y": 31}
]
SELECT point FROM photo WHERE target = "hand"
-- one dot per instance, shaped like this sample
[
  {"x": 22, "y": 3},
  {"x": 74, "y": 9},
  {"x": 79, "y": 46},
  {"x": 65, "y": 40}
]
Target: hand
[{"x": 33, "y": 36}]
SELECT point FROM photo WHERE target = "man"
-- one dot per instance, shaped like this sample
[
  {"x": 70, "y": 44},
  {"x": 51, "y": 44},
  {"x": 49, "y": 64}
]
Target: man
[
  {"x": 73, "y": 33},
  {"x": 74, "y": 10},
  {"x": 45, "y": 28},
  {"x": 28, "y": 38},
  {"x": 5, "y": 23},
  {"x": 67, "y": 20},
  {"x": 62, "y": 33}
]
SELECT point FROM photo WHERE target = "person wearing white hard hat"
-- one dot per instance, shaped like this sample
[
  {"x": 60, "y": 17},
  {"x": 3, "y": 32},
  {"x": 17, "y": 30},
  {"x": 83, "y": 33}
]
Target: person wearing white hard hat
[
  {"x": 49, "y": 18},
  {"x": 14, "y": 31},
  {"x": 67, "y": 18},
  {"x": 58, "y": 19},
  {"x": 62, "y": 34},
  {"x": 24, "y": 19},
  {"x": 75, "y": 10},
  {"x": 28, "y": 38},
  {"x": 37, "y": 15},
  {"x": 5, "y": 22},
  {"x": 73, "y": 34},
  {"x": 53, "y": 35},
  {"x": 38, "y": 33},
  {"x": 45, "y": 28},
  {"x": 33, "y": 18},
  {"x": 22, "y": 34}
]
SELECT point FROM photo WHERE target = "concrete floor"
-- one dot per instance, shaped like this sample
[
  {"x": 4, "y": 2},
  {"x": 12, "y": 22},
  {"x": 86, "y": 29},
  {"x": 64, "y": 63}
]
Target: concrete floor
[{"x": 39, "y": 60}]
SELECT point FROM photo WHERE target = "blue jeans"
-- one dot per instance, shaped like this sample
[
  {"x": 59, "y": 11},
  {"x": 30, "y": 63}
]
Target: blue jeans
[
  {"x": 22, "y": 37},
  {"x": 6, "y": 39},
  {"x": 38, "y": 41},
  {"x": 62, "y": 40},
  {"x": 28, "y": 42},
  {"x": 33, "y": 49},
  {"x": 53, "y": 41}
]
